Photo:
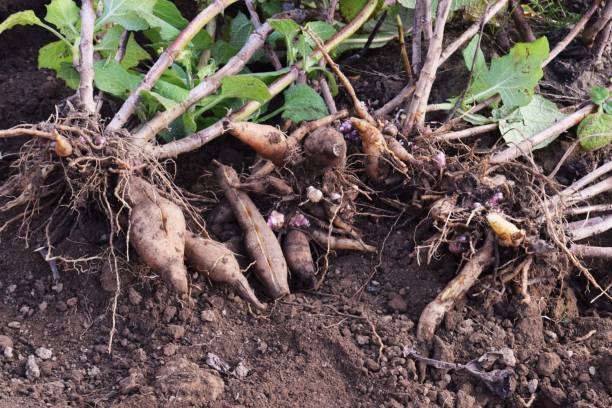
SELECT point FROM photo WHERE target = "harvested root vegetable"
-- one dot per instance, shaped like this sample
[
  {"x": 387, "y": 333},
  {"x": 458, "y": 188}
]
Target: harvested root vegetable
[
  {"x": 63, "y": 148},
  {"x": 263, "y": 184},
  {"x": 434, "y": 312},
  {"x": 397, "y": 149},
  {"x": 296, "y": 247},
  {"x": 260, "y": 241},
  {"x": 215, "y": 261},
  {"x": 325, "y": 148},
  {"x": 157, "y": 233},
  {"x": 268, "y": 141},
  {"x": 509, "y": 234},
  {"x": 339, "y": 243},
  {"x": 374, "y": 147}
]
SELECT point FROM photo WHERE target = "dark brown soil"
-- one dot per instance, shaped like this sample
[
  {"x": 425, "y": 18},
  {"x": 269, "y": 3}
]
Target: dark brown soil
[{"x": 311, "y": 350}]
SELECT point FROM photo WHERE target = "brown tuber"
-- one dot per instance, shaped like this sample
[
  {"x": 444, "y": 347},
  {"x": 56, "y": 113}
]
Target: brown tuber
[
  {"x": 325, "y": 148},
  {"x": 268, "y": 141},
  {"x": 157, "y": 233},
  {"x": 259, "y": 240},
  {"x": 215, "y": 261},
  {"x": 296, "y": 247},
  {"x": 374, "y": 147}
]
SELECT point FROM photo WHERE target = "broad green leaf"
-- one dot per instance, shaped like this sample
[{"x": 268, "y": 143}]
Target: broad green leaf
[
  {"x": 109, "y": 45},
  {"x": 513, "y": 76},
  {"x": 245, "y": 87},
  {"x": 201, "y": 41},
  {"x": 114, "y": 79},
  {"x": 599, "y": 95},
  {"x": 607, "y": 107},
  {"x": 167, "y": 19},
  {"x": 69, "y": 75},
  {"x": 167, "y": 103},
  {"x": 52, "y": 55},
  {"x": 288, "y": 29},
  {"x": 171, "y": 91},
  {"x": 350, "y": 8},
  {"x": 240, "y": 30},
  {"x": 167, "y": 11},
  {"x": 26, "y": 17},
  {"x": 472, "y": 50},
  {"x": 303, "y": 103},
  {"x": 358, "y": 41},
  {"x": 324, "y": 30},
  {"x": 64, "y": 14},
  {"x": 595, "y": 131},
  {"x": 130, "y": 14},
  {"x": 222, "y": 51},
  {"x": 529, "y": 120}
]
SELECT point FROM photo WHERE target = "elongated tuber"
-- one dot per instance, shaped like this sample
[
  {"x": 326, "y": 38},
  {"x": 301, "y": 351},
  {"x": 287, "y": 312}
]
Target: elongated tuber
[
  {"x": 260, "y": 241},
  {"x": 374, "y": 147},
  {"x": 296, "y": 247},
  {"x": 215, "y": 261},
  {"x": 157, "y": 233},
  {"x": 268, "y": 141},
  {"x": 509, "y": 234},
  {"x": 348, "y": 244}
]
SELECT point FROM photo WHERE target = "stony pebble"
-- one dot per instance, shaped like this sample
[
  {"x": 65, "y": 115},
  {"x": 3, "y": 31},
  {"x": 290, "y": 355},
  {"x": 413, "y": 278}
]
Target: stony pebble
[
  {"x": 14, "y": 325},
  {"x": 44, "y": 353},
  {"x": 32, "y": 370},
  {"x": 208, "y": 315}
]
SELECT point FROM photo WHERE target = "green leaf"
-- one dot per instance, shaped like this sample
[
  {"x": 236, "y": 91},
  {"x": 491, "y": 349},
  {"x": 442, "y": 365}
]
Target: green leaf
[
  {"x": 171, "y": 91},
  {"x": 245, "y": 87},
  {"x": 114, "y": 79},
  {"x": 130, "y": 14},
  {"x": 350, "y": 8},
  {"x": 52, "y": 55},
  {"x": 166, "y": 19},
  {"x": 222, "y": 51},
  {"x": 26, "y": 17},
  {"x": 607, "y": 107},
  {"x": 599, "y": 95},
  {"x": 303, "y": 103},
  {"x": 288, "y": 29},
  {"x": 69, "y": 75},
  {"x": 64, "y": 14},
  {"x": 240, "y": 30},
  {"x": 472, "y": 50},
  {"x": 595, "y": 131},
  {"x": 529, "y": 120},
  {"x": 513, "y": 76},
  {"x": 167, "y": 103},
  {"x": 109, "y": 45}
]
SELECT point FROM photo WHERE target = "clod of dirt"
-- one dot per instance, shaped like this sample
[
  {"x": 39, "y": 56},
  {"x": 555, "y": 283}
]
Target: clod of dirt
[
  {"x": 548, "y": 364},
  {"x": 195, "y": 385},
  {"x": 553, "y": 397},
  {"x": 134, "y": 296},
  {"x": 465, "y": 400},
  {"x": 176, "y": 331},
  {"x": 132, "y": 382},
  {"x": 208, "y": 315},
  {"x": 170, "y": 349},
  {"x": 398, "y": 304},
  {"x": 6, "y": 346}
]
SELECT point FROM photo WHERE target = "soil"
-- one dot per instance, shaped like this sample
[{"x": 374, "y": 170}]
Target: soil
[{"x": 341, "y": 346}]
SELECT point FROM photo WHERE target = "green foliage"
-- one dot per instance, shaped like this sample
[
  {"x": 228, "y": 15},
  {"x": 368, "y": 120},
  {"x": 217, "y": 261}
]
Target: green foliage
[
  {"x": 288, "y": 29},
  {"x": 513, "y": 76},
  {"x": 21, "y": 18},
  {"x": 595, "y": 131},
  {"x": 526, "y": 121},
  {"x": 303, "y": 103},
  {"x": 64, "y": 14}
]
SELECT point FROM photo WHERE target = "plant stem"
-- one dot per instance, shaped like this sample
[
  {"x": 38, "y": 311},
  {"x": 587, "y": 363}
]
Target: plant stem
[
  {"x": 589, "y": 209},
  {"x": 587, "y": 251},
  {"x": 208, "y": 86},
  {"x": 5, "y": 134},
  {"x": 592, "y": 191},
  {"x": 165, "y": 60},
  {"x": 418, "y": 104},
  {"x": 402, "y": 45},
  {"x": 519, "y": 21},
  {"x": 587, "y": 231},
  {"x": 547, "y": 135},
  {"x": 573, "y": 33},
  {"x": 588, "y": 179},
  {"x": 326, "y": 91},
  {"x": 267, "y": 48},
  {"x": 417, "y": 31},
  {"x": 362, "y": 112},
  {"x": 588, "y": 37},
  {"x": 85, "y": 68},
  {"x": 460, "y": 134},
  {"x": 446, "y": 54},
  {"x": 204, "y": 136}
]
